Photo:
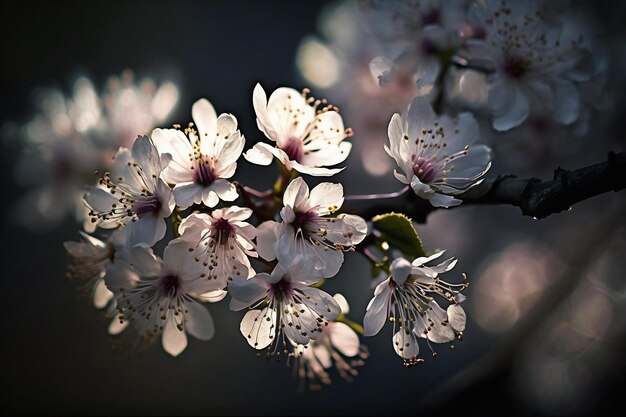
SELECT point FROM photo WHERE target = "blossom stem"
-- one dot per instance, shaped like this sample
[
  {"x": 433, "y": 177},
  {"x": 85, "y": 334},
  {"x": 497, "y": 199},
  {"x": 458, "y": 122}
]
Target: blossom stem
[{"x": 364, "y": 197}]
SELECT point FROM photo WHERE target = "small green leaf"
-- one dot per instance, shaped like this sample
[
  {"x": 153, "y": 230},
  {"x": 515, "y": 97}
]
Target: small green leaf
[{"x": 398, "y": 231}]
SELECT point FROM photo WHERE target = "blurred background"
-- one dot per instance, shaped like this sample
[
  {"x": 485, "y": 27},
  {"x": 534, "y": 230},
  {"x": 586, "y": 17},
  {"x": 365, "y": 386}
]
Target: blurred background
[{"x": 546, "y": 303}]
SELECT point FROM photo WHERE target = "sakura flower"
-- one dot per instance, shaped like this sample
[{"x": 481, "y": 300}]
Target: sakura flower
[
  {"x": 222, "y": 241},
  {"x": 160, "y": 297},
  {"x": 417, "y": 37},
  {"x": 435, "y": 153},
  {"x": 133, "y": 194},
  {"x": 533, "y": 59},
  {"x": 407, "y": 298},
  {"x": 203, "y": 156},
  {"x": 338, "y": 345},
  {"x": 291, "y": 311},
  {"x": 306, "y": 228},
  {"x": 307, "y": 139},
  {"x": 90, "y": 260}
]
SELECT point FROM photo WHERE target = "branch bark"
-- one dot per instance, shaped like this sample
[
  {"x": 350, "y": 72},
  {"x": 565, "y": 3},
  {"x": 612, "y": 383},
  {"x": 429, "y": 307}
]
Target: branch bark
[{"x": 534, "y": 197}]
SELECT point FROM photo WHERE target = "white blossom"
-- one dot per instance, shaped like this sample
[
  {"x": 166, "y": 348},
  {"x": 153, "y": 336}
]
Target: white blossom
[
  {"x": 204, "y": 155},
  {"x": 435, "y": 153},
  {"x": 133, "y": 194},
  {"x": 407, "y": 299},
  {"x": 289, "y": 312},
  {"x": 534, "y": 61},
  {"x": 307, "y": 139},
  {"x": 161, "y": 297},
  {"x": 222, "y": 242},
  {"x": 308, "y": 229}
]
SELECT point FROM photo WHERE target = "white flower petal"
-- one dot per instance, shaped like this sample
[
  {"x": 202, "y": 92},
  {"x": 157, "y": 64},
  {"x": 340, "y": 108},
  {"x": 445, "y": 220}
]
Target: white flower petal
[
  {"x": 259, "y": 327},
  {"x": 174, "y": 341},
  {"x": 199, "y": 322}
]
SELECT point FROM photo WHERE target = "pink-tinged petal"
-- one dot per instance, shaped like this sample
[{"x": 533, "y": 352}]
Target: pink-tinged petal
[
  {"x": 266, "y": 240},
  {"x": 175, "y": 143},
  {"x": 259, "y": 327},
  {"x": 296, "y": 194},
  {"x": 405, "y": 345},
  {"x": 377, "y": 309},
  {"x": 226, "y": 125},
  {"x": 143, "y": 261},
  {"x": 199, "y": 322},
  {"x": 248, "y": 291},
  {"x": 314, "y": 171},
  {"x": 117, "y": 325},
  {"x": 344, "y": 339},
  {"x": 146, "y": 155},
  {"x": 213, "y": 296},
  {"x": 287, "y": 214},
  {"x": 343, "y": 303},
  {"x": 187, "y": 194},
  {"x": 236, "y": 213},
  {"x": 174, "y": 341},
  {"x": 193, "y": 226},
  {"x": 326, "y": 197},
  {"x": 101, "y": 295},
  {"x": 147, "y": 230},
  {"x": 457, "y": 317},
  {"x": 225, "y": 190},
  {"x": 259, "y": 154},
  {"x": 400, "y": 270},
  {"x": 205, "y": 119},
  {"x": 510, "y": 105},
  {"x": 210, "y": 197}
]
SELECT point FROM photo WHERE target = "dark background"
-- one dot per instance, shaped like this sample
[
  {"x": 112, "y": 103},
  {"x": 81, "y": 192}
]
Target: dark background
[{"x": 54, "y": 348}]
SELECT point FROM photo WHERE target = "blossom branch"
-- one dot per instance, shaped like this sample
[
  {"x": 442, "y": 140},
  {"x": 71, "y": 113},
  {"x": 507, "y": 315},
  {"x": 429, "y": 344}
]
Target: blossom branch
[{"x": 534, "y": 197}]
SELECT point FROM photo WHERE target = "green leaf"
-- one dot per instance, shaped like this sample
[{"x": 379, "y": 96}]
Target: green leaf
[{"x": 398, "y": 231}]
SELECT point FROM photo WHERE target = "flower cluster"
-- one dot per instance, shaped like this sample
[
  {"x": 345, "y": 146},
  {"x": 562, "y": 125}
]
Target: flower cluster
[{"x": 271, "y": 252}]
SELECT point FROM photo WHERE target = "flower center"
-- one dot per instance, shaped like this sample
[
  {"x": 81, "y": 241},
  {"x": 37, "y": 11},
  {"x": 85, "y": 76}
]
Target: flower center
[
  {"x": 204, "y": 174},
  {"x": 221, "y": 230},
  {"x": 281, "y": 289},
  {"x": 302, "y": 218},
  {"x": 147, "y": 205},
  {"x": 424, "y": 169},
  {"x": 168, "y": 285},
  {"x": 294, "y": 149},
  {"x": 514, "y": 66}
]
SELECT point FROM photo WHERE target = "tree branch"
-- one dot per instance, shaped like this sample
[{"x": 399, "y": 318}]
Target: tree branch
[{"x": 534, "y": 197}]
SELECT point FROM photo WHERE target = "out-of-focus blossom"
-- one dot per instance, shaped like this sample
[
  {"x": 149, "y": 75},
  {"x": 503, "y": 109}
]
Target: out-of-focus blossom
[
  {"x": 536, "y": 62},
  {"x": 72, "y": 137},
  {"x": 407, "y": 298},
  {"x": 292, "y": 312},
  {"x": 307, "y": 229},
  {"x": 418, "y": 38},
  {"x": 307, "y": 139},
  {"x": 434, "y": 153},
  {"x": 133, "y": 194},
  {"x": 202, "y": 156},
  {"x": 222, "y": 242},
  {"x": 338, "y": 345},
  {"x": 160, "y": 297}
]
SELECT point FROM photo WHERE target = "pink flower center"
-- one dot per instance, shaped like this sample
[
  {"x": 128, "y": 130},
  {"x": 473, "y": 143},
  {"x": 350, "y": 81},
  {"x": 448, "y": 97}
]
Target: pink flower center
[
  {"x": 147, "y": 205},
  {"x": 281, "y": 289},
  {"x": 204, "y": 174},
  {"x": 302, "y": 218},
  {"x": 424, "y": 169},
  {"x": 168, "y": 285},
  {"x": 294, "y": 149}
]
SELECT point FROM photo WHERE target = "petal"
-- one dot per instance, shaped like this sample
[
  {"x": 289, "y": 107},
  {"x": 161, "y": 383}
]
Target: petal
[
  {"x": 101, "y": 295},
  {"x": 259, "y": 154},
  {"x": 205, "y": 118},
  {"x": 566, "y": 101},
  {"x": 225, "y": 190},
  {"x": 511, "y": 108},
  {"x": 188, "y": 194},
  {"x": 400, "y": 270},
  {"x": 147, "y": 156},
  {"x": 147, "y": 230},
  {"x": 326, "y": 197},
  {"x": 377, "y": 309},
  {"x": 259, "y": 327},
  {"x": 199, "y": 321},
  {"x": 344, "y": 339},
  {"x": 175, "y": 143},
  {"x": 456, "y": 317},
  {"x": 297, "y": 195},
  {"x": 174, "y": 341},
  {"x": 405, "y": 345},
  {"x": 248, "y": 291},
  {"x": 266, "y": 240},
  {"x": 343, "y": 303}
]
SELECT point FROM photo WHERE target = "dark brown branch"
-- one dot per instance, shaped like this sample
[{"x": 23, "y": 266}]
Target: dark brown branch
[{"x": 534, "y": 197}]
